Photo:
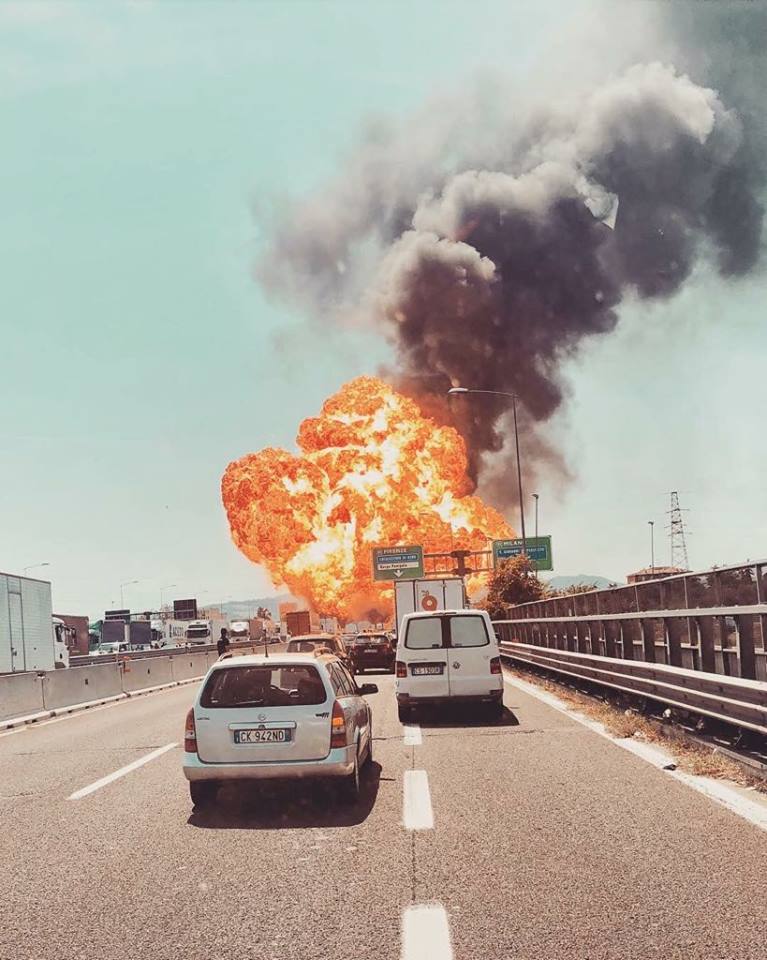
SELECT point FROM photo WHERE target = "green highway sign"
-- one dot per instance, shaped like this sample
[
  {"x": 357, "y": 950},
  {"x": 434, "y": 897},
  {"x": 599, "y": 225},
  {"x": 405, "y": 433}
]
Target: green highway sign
[
  {"x": 397, "y": 563},
  {"x": 538, "y": 550}
]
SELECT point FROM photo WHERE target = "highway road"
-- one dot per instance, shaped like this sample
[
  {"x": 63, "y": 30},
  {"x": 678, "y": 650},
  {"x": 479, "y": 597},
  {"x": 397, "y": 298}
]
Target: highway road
[{"x": 529, "y": 838}]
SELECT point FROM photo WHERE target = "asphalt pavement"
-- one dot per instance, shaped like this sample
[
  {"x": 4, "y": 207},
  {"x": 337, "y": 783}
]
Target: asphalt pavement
[{"x": 528, "y": 838}]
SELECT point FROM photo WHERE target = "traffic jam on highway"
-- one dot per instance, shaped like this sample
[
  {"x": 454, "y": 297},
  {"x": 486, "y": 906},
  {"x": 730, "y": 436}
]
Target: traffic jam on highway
[{"x": 389, "y": 793}]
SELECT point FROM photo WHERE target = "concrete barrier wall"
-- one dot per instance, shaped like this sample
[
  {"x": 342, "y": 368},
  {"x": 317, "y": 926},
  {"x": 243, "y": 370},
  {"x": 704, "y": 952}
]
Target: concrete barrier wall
[
  {"x": 140, "y": 674},
  {"x": 189, "y": 665},
  {"x": 63, "y": 688},
  {"x": 20, "y": 695}
]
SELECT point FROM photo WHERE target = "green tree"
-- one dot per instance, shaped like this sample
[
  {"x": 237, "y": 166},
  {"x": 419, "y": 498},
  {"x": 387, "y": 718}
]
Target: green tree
[{"x": 513, "y": 581}]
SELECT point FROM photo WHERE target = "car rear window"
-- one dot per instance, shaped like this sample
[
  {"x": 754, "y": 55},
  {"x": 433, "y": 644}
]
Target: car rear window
[
  {"x": 292, "y": 685},
  {"x": 424, "y": 634},
  {"x": 301, "y": 646}
]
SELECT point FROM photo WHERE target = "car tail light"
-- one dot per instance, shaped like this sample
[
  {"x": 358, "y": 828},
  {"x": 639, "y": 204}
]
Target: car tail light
[
  {"x": 401, "y": 669},
  {"x": 495, "y": 665},
  {"x": 190, "y": 734},
  {"x": 337, "y": 727}
]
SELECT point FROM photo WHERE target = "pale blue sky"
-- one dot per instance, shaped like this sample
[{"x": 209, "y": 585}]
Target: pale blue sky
[{"x": 138, "y": 356}]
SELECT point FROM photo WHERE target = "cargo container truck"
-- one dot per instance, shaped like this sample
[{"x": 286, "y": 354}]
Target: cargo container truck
[
  {"x": 29, "y": 637},
  {"x": 425, "y": 596}
]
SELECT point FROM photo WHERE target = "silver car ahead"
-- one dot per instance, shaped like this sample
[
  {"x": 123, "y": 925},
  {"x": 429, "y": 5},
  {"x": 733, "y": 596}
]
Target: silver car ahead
[{"x": 290, "y": 715}]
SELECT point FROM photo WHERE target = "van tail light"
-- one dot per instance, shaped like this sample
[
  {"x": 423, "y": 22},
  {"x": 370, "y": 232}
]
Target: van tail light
[
  {"x": 337, "y": 727},
  {"x": 190, "y": 734},
  {"x": 495, "y": 665},
  {"x": 401, "y": 669}
]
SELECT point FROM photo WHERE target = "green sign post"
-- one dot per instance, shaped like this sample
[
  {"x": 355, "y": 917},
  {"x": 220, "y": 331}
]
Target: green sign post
[
  {"x": 538, "y": 551},
  {"x": 397, "y": 563}
]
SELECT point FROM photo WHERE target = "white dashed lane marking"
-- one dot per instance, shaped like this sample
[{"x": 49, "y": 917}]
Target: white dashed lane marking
[
  {"x": 412, "y": 735},
  {"x": 416, "y": 801},
  {"x": 110, "y": 778},
  {"x": 426, "y": 933}
]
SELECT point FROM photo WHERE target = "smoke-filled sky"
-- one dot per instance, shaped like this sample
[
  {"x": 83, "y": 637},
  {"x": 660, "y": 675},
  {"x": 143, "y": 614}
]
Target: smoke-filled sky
[{"x": 546, "y": 197}]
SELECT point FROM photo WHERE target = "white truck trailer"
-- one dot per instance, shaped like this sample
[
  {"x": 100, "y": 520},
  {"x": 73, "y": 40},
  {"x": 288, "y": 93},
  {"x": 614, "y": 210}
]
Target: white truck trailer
[
  {"x": 30, "y": 639},
  {"x": 425, "y": 596}
]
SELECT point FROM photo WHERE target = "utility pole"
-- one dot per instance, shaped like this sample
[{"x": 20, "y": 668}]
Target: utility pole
[{"x": 652, "y": 545}]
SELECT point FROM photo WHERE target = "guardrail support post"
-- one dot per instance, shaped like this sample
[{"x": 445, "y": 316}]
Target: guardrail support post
[
  {"x": 706, "y": 634},
  {"x": 674, "y": 627},
  {"x": 746, "y": 656},
  {"x": 648, "y": 640}
]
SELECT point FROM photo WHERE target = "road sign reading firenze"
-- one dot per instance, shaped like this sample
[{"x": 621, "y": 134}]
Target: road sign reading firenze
[
  {"x": 538, "y": 550},
  {"x": 397, "y": 563}
]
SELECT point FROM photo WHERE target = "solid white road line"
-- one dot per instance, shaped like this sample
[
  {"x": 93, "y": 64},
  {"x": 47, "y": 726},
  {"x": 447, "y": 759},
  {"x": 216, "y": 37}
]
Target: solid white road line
[
  {"x": 416, "y": 801},
  {"x": 426, "y": 933},
  {"x": 79, "y": 794},
  {"x": 412, "y": 735},
  {"x": 718, "y": 790}
]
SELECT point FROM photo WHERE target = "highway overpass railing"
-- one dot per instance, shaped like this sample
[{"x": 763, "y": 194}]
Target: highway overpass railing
[{"x": 708, "y": 661}]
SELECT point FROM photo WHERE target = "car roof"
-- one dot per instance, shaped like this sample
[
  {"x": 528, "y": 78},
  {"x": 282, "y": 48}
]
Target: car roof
[
  {"x": 314, "y": 637},
  {"x": 280, "y": 660}
]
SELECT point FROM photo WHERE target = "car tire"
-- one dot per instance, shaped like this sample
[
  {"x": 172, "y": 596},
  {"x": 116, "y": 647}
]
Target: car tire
[
  {"x": 404, "y": 713},
  {"x": 496, "y": 710},
  {"x": 202, "y": 792},
  {"x": 369, "y": 755},
  {"x": 350, "y": 785}
]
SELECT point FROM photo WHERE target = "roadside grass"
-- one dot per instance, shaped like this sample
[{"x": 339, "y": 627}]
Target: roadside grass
[{"x": 691, "y": 757}]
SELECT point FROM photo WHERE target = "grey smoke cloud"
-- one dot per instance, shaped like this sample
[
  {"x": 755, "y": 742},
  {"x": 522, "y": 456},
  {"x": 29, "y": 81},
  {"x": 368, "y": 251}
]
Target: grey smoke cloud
[{"x": 487, "y": 256}]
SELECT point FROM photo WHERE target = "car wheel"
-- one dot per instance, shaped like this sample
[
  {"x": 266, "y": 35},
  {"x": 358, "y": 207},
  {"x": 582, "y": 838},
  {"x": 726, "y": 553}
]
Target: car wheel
[
  {"x": 350, "y": 785},
  {"x": 369, "y": 757},
  {"x": 404, "y": 713},
  {"x": 202, "y": 792}
]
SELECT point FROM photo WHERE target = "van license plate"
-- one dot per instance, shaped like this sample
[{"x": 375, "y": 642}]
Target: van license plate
[
  {"x": 432, "y": 669},
  {"x": 280, "y": 735}
]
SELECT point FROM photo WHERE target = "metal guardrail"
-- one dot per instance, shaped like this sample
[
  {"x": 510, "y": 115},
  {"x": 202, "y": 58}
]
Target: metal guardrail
[
  {"x": 729, "y": 699},
  {"x": 84, "y": 661}
]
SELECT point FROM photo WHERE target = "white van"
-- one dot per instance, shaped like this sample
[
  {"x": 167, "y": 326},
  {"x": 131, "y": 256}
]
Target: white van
[{"x": 448, "y": 656}]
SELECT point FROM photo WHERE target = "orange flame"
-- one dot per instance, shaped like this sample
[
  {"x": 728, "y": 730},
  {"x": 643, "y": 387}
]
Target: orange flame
[{"x": 373, "y": 471}]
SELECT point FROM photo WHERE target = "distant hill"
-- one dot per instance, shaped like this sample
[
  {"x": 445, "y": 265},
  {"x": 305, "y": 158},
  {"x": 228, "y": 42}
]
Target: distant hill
[
  {"x": 563, "y": 583},
  {"x": 243, "y": 609}
]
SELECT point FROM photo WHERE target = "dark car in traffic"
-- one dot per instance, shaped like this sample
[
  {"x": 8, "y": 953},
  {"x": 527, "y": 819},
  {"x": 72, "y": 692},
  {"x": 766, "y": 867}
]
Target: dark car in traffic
[{"x": 371, "y": 651}]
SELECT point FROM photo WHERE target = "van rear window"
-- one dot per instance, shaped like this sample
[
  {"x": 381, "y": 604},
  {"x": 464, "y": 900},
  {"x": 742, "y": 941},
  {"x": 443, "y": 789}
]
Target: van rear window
[
  {"x": 424, "y": 634},
  {"x": 264, "y": 686},
  {"x": 458, "y": 630}
]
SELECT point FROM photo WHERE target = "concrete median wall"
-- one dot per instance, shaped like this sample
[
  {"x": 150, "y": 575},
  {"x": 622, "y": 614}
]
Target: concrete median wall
[
  {"x": 187, "y": 666},
  {"x": 140, "y": 674},
  {"x": 20, "y": 695},
  {"x": 63, "y": 688}
]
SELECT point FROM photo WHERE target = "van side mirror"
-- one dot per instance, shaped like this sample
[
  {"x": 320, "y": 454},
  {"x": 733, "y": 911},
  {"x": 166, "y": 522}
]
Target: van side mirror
[{"x": 368, "y": 688}]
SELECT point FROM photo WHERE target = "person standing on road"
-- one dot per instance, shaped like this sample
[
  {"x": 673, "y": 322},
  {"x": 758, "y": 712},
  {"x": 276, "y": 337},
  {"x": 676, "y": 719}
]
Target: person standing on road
[{"x": 223, "y": 644}]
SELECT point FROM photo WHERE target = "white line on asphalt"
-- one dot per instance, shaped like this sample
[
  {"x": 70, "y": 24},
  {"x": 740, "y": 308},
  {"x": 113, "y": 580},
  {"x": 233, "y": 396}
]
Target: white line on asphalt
[
  {"x": 426, "y": 933},
  {"x": 717, "y": 790},
  {"x": 412, "y": 735},
  {"x": 416, "y": 801},
  {"x": 79, "y": 794}
]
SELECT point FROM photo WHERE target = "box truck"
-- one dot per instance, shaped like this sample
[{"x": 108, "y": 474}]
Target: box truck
[
  {"x": 425, "y": 596},
  {"x": 300, "y": 622},
  {"x": 29, "y": 638}
]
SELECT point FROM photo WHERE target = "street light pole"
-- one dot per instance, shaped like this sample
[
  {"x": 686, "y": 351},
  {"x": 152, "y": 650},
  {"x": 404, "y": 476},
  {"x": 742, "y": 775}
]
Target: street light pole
[
  {"x": 163, "y": 589},
  {"x": 652, "y": 545},
  {"x": 34, "y": 566},
  {"x": 513, "y": 397},
  {"x": 122, "y": 589},
  {"x": 536, "y": 498}
]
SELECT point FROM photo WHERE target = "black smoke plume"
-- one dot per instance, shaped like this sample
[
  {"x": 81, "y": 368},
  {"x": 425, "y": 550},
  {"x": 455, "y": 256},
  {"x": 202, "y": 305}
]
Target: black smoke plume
[{"x": 489, "y": 246}]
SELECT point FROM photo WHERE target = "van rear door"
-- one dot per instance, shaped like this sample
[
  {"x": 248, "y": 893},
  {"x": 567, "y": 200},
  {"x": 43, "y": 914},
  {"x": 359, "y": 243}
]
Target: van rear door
[
  {"x": 472, "y": 646},
  {"x": 423, "y": 650}
]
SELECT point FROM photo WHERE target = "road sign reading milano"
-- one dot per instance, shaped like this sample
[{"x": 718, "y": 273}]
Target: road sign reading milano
[
  {"x": 397, "y": 563},
  {"x": 538, "y": 550}
]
